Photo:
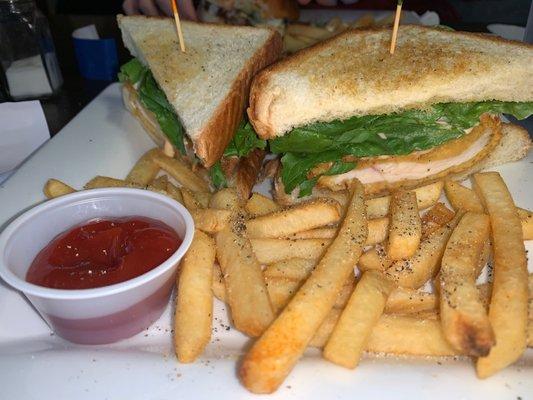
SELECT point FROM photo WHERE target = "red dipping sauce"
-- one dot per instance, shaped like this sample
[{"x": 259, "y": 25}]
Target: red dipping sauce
[{"x": 103, "y": 252}]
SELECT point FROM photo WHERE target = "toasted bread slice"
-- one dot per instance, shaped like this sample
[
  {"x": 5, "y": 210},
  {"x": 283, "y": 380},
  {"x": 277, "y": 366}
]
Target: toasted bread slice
[
  {"x": 209, "y": 83},
  {"x": 354, "y": 74},
  {"x": 513, "y": 145}
]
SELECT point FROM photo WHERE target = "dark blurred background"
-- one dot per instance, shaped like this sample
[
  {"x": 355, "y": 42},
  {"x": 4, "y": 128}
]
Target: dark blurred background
[{"x": 66, "y": 15}]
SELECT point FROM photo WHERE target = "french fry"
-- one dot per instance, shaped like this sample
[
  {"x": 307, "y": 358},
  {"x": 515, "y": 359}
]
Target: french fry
[
  {"x": 281, "y": 290},
  {"x": 508, "y": 305},
  {"x": 203, "y": 198},
  {"x": 435, "y": 217},
  {"x": 365, "y": 21},
  {"x": 530, "y": 313},
  {"x": 410, "y": 301},
  {"x": 292, "y": 44},
  {"x": 174, "y": 192},
  {"x": 426, "y": 196},
  {"x": 189, "y": 200},
  {"x": 318, "y": 233},
  {"x": 274, "y": 354},
  {"x": 159, "y": 183},
  {"x": 314, "y": 32},
  {"x": 405, "y": 227},
  {"x": 145, "y": 169},
  {"x": 259, "y": 205},
  {"x": 467, "y": 199},
  {"x": 526, "y": 219},
  {"x": 363, "y": 310},
  {"x": 378, "y": 229},
  {"x": 225, "y": 199},
  {"x": 293, "y": 268},
  {"x": 423, "y": 265},
  {"x": 301, "y": 217},
  {"x": 374, "y": 259},
  {"x": 464, "y": 320},
  {"x": 54, "y": 188},
  {"x": 194, "y": 300},
  {"x": 408, "y": 335},
  {"x": 269, "y": 251},
  {"x": 105, "y": 182},
  {"x": 182, "y": 173},
  {"x": 461, "y": 197},
  {"x": 211, "y": 220},
  {"x": 395, "y": 335},
  {"x": 247, "y": 294},
  {"x": 219, "y": 286}
]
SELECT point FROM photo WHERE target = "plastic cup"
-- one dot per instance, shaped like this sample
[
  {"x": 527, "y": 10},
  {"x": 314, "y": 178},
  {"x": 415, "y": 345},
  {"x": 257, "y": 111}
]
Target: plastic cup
[{"x": 106, "y": 314}]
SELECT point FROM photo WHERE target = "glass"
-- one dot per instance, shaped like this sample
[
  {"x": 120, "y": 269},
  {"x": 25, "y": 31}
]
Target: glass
[{"x": 28, "y": 62}]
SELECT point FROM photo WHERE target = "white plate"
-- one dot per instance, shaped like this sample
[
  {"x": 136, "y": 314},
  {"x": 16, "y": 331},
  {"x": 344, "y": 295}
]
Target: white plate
[{"x": 104, "y": 139}]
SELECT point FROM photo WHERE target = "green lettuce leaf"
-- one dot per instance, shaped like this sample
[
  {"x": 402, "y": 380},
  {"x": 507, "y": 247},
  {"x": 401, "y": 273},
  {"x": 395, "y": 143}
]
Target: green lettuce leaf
[
  {"x": 154, "y": 99},
  {"x": 132, "y": 71},
  {"x": 217, "y": 176},
  {"x": 244, "y": 141},
  {"x": 374, "y": 135}
]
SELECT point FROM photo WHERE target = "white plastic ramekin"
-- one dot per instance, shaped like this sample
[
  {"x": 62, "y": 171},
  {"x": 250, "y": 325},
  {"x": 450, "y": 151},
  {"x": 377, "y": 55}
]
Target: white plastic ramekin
[{"x": 106, "y": 314}]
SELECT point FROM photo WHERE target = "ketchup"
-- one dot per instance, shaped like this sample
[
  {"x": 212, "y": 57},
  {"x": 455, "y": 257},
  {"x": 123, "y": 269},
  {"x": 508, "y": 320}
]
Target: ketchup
[{"x": 103, "y": 252}]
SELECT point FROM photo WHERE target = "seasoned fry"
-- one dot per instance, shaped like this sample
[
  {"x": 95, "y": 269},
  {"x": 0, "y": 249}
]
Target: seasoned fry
[
  {"x": 55, "y": 188},
  {"x": 426, "y": 196},
  {"x": 203, "y": 198},
  {"x": 174, "y": 192},
  {"x": 435, "y": 217},
  {"x": 194, "y": 301},
  {"x": 145, "y": 169},
  {"x": 314, "y": 32},
  {"x": 248, "y": 299},
  {"x": 410, "y": 301},
  {"x": 467, "y": 199},
  {"x": 219, "y": 286},
  {"x": 259, "y": 205},
  {"x": 159, "y": 183},
  {"x": 274, "y": 354},
  {"x": 423, "y": 265},
  {"x": 318, "y": 233},
  {"x": 363, "y": 310},
  {"x": 211, "y": 220},
  {"x": 461, "y": 197},
  {"x": 464, "y": 320},
  {"x": 378, "y": 229},
  {"x": 182, "y": 173},
  {"x": 530, "y": 313},
  {"x": 281, "y": 290},
  {"x": 374, "y": 259},
  {"x": 104, "y": 182},
  {"x": 405, "y": 227},
  {"x": 526, "y": 219},
  {"x": 225, "y": 199},
  {"x": 301, "y": 217},
  {"x": 395, "y": 335},
  {"x": 269, "y": 251},
  {"x": 293, "y": 268},
  {"x": 508, "y": 305},
  {"x": 189, "y": 200}
]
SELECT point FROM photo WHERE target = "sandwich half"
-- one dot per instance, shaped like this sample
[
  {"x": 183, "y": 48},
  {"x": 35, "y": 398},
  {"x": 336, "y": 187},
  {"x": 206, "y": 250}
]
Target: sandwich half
[
  {"x": 196, "y": 100},
  {"x": 347, "y": 109}
]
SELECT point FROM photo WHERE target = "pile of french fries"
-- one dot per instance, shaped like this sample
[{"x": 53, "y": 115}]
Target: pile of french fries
[
  {"x": 298, "y": 36},
  {"x": 346, "y": 273}
]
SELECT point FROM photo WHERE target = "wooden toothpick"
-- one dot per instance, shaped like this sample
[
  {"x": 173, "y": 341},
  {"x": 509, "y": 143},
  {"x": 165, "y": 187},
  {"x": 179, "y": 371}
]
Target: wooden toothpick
[
  {"x": 178, "y": 25},
  {"x": 395, "y": 26}
]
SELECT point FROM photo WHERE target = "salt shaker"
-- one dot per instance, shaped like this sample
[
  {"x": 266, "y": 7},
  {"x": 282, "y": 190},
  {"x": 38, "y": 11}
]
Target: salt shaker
[{"x": 28, "y": 62}]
